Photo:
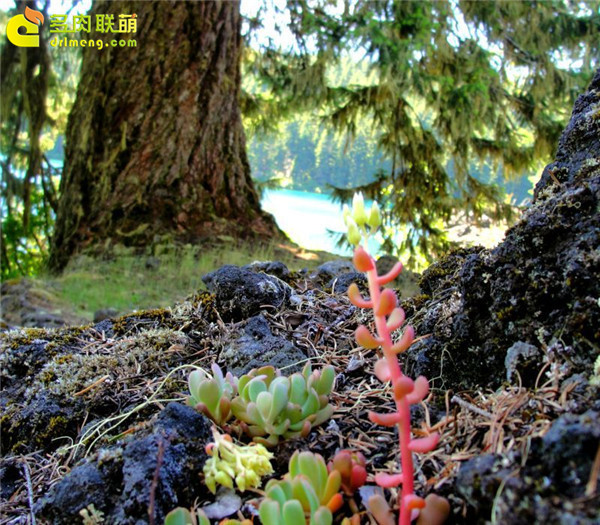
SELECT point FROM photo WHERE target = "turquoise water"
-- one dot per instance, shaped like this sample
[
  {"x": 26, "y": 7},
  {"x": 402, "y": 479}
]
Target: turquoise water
[{"x": 306, "y": 218}]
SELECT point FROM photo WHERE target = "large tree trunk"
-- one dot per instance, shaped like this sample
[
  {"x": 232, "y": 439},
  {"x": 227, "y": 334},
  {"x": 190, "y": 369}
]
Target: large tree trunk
[{"x": 155, "y": 143}]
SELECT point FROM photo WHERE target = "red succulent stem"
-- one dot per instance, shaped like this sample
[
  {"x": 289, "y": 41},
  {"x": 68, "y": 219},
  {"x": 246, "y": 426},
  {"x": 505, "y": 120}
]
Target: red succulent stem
[{"x": 402, "y": 405}]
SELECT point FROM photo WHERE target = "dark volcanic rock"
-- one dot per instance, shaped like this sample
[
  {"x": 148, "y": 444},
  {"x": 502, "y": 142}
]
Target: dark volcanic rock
[
  {"x": 35, "y": 426},
  {"x": 104, "y": 313},
  {"x": 276, "y": 268},
  {"x": 257, "y": 347},
  {"x": 331, "y": 269},
  {"x": 85, "y": 485},
  {"x": 550, "y": 488},
  {"x": 523, "y": 361},
  {"x": 118, "y": 480},
  {"x": 341, "y": 283},
  {"x": 239, "y": 293},
  {"x": 540, "y": 286}
]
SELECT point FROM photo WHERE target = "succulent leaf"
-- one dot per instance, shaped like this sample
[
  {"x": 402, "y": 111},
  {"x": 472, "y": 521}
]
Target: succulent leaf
[
  {"x": 323, "y": 415},
  {"x": 435, "y": 512},
  {"x": 382, "y": 370},
  {"x": 396, "y": 319},
  {"x": 333, "y": 482},
  {"x": 322, "y": 516},
  {"x": 391, "y": 275},
  {"x": 357, "y": 299},
  {"x": 194, "y": 381},
  {"x": 297, "y": 389},
  {"x": 311, "y": 405},
  {"x": 255, "y": 387},
  {"x": 380, "y": 510},
  {"x": 419, "y": 392},
  {"x": 293, "y": 513},
  {"x": 264, "y": 403},
  {"x": 385, "y": 420},
  {"x": 365, "y": 338},
  {"x": 363, "y": 262},
  {"x": 411, "y": 501},
  {"x": 405, "y": 341},
  {"x": 324, "y": 384},
  {"x": 269, "y": 512},
  {"x": 180, "y": 516},
  {"x": 388, "y": 480},
  {"x": 387, "y": 303},
  {"x": 313, "y": 467},
  {"x": 424, "y": 444}
]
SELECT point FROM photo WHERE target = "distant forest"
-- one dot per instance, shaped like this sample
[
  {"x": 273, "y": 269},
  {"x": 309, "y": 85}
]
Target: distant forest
[{"x": 303, "y": 153}]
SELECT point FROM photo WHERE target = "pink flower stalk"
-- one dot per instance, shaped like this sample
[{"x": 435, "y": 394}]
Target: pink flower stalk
[{"x": 389, "y": 317}]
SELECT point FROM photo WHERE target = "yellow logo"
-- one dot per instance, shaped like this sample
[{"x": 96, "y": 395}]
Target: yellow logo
[{"x": 31, "y": 22}]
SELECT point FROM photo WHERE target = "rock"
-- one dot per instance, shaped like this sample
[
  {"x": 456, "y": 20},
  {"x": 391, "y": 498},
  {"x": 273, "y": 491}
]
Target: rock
[
  {"x": 385, "y": 263},
  {"x": 104, "y": 313},
  {"x": 331, "y": 269},
  {"x": 105, "y": 327},
  {"x": 240, "y": 293},
  {"x": 477, "y": 479},
  {"x": 45, "y": 418},
  {"x": 24, "y": 303},
  {"x": 540, "y": 284},
  {"x": 341, "y": 283},
  {"x": 550, "y": 488},
  {"x": 84, "y": 485},
  {"x": 568, "y": 450},
  {"x": 257, "y": 347},
  {"x": 118, "y": 479},
  {"x": 578, "y": 154},
  {"x": 522, "y": 363},
  {"x": 41, "y": 319},
  {"x": 11, "y": 476},
  {"x": 275, "y": 268}
]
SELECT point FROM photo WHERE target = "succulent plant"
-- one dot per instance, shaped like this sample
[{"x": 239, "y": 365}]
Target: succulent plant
[
  {"x": 212, "y": 395},
  {"x": 307, "y": 494},
  {"x": 388, "y": 318},
  {"x": 181, "y": 516},
  {"x": 351, "y": 466},
  {"x": 229, "y": 463},
  {"x": 276, "y": 406}
]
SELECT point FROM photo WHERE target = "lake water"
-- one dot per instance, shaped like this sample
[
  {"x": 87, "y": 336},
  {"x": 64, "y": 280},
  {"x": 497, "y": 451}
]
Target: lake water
[{"x": 306, "y": 218}]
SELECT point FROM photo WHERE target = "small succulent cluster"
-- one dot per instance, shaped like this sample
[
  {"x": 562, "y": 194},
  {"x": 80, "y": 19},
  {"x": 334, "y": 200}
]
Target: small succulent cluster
[
  {"x": 287, "y": 407},
  {"x": 228, "y": 463},
  {"x": 309, "y": 493},
  {"x": 351, "y": 465},
  {"x": 267, "y": 405}
]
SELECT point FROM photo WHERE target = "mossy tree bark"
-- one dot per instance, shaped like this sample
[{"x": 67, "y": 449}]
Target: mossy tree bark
[{"x": 155, "y": 143}]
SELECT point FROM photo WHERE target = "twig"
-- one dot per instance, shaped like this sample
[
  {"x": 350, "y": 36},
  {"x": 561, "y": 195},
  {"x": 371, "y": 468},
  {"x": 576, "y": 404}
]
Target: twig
[
  {"x": 152, "y": 501},
  {"x": 471, "y": 407},
  {"x": 94, "y": 384},
  {"x": 29, "y": 490},
  {"x": 592, "y": 484}
]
